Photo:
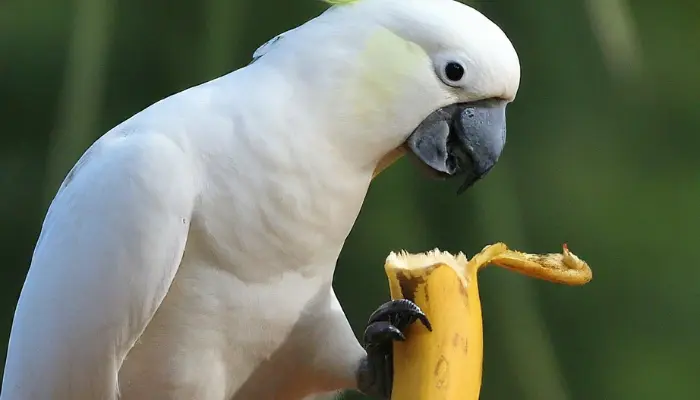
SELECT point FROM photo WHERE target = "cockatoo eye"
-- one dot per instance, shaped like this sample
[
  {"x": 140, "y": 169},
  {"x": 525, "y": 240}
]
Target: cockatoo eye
[
  {"x": 450, "y": 70},
  {"x": 454, "y": 71}
]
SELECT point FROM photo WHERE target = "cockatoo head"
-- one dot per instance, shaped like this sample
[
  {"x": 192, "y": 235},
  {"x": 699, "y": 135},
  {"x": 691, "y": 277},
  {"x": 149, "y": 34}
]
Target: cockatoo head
[{"x": 428, "y": 77}]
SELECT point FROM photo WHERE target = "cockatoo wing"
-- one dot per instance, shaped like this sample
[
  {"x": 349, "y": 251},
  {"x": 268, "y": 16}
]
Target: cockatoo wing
[{"x": 108, "y": 252}]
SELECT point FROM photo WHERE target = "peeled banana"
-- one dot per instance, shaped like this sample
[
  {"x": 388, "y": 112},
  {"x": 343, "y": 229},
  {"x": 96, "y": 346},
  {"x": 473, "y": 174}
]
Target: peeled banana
[{"x": 446, "y": 364}]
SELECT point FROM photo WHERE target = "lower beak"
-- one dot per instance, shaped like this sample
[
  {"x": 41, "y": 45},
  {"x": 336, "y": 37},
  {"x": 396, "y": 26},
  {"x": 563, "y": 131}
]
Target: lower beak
[{"x": 464, "y": 139}]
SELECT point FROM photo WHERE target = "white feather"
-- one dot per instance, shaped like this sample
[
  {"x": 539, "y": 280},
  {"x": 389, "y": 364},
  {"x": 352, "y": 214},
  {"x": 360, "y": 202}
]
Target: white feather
[{"x": 109, "y": 248}]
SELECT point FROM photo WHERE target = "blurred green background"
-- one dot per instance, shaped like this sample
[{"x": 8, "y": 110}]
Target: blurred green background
[{"x": 602, "y": 154}]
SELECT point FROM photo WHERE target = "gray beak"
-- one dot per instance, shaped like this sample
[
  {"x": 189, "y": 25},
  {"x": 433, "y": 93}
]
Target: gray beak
[{"x": 461, "y": 139}]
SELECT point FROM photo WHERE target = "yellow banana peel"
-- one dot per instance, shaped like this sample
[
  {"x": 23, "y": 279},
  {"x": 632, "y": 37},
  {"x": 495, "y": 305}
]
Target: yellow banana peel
[{"x": 446, "y": 364}]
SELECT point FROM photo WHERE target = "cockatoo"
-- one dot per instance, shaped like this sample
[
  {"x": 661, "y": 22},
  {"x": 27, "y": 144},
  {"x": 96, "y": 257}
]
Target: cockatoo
[{"x": 190, "y": 252}]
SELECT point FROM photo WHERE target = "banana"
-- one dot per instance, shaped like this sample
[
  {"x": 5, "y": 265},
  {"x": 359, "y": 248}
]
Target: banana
[{"x": 446, "y": 364}]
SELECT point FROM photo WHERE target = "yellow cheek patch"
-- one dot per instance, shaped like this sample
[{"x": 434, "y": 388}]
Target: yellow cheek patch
[{"x": 385, "y": 67}]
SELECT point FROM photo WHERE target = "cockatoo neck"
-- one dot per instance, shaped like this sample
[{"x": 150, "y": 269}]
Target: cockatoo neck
[
  {"x": 280, "y": 191},
  {"x": 351, "y": 89}
]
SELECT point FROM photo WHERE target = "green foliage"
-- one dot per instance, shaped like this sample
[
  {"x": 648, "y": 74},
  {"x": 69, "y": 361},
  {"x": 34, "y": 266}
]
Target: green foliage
[{"x": 601, "y": 154}]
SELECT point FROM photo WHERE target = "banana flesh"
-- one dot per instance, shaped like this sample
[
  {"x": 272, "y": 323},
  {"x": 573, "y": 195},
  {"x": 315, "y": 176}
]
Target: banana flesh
[{"x": 446, "y": 364}]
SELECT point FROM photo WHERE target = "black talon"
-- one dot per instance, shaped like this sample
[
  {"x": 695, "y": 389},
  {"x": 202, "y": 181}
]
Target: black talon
[
  {"x": 382, "y": 332},
  {"x": 386, "y": 325},
  {"x": 401, "y": 313}
]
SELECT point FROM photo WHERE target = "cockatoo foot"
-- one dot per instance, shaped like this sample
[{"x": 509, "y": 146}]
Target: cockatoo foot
[{"x": 386, "y": 324}]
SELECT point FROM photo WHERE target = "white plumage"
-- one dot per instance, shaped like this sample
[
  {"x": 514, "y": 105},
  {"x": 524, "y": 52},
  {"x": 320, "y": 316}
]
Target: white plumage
[{"x": 189, "y": 254}]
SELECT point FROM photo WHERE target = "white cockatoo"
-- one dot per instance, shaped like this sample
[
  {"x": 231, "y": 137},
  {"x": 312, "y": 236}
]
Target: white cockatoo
[{"x": 189, "y": 254}]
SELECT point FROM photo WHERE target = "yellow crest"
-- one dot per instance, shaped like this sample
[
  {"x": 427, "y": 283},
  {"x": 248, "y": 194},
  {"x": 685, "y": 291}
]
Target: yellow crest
[{"x": 340, "y": 2}]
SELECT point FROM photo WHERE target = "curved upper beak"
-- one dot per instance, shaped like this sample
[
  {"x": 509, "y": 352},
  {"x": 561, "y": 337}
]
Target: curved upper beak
[{"x": 461, "y": 139}]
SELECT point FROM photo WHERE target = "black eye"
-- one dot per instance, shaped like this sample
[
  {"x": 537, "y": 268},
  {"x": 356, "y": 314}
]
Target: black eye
[{"x": 454, "y": 71}]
